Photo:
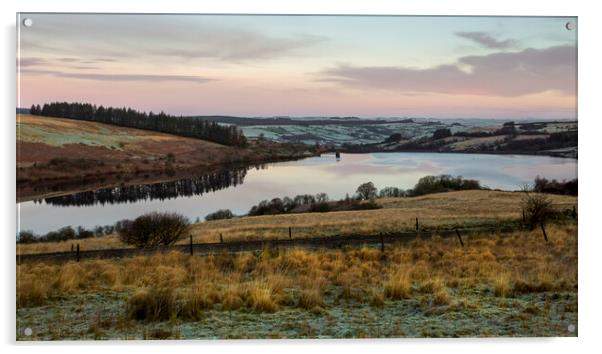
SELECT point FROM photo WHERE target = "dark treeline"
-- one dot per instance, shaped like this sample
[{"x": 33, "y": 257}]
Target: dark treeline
[
  {"x": 161, "y": 122},
  {"x": 432, "y": 184},
  {"x": 161, "y": 191},
  {"x": 67, "y": 233},
  {"x": 307, "y": 203},
  {"x": 543, "y": 185},
  {"x": 363, "y": 198},
  {"x": 442, "y": 183}
]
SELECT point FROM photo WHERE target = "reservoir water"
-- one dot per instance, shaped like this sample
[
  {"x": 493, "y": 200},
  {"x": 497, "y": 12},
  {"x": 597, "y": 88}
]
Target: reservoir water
[{"x": 240, "y": 189}]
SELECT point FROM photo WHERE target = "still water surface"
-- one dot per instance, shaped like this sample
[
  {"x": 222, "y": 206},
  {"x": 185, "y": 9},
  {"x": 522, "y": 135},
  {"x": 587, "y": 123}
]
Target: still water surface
[{"x": 240, "y": 189}]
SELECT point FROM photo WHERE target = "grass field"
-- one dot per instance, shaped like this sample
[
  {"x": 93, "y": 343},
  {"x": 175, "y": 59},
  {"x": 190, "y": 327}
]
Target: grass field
[
  {"x": 444, "y": 210},
  {"x": 506, "y": 285},
  {"x": 71, "y": 138}
]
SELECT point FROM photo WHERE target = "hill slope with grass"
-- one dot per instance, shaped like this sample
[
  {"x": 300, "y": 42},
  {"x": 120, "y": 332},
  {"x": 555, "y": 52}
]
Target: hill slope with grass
[{"x": 89, "y": 154}]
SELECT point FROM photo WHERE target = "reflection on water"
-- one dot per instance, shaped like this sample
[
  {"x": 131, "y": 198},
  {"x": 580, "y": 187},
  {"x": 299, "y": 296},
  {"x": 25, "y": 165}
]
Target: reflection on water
[
  {"x": 160, "y": 191},
  {"x": 202, "y": 195}
]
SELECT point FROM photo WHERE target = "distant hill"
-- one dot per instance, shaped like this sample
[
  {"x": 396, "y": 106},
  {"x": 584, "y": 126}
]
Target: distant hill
[{"x": 351, "y": 121}]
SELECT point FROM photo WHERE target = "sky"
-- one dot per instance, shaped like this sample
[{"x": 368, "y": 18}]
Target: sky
[{"x": 365, "y": 66}]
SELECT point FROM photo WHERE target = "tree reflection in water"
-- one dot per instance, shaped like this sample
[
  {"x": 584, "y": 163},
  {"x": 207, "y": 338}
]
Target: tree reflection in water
[{"x": 165, "y": 190}]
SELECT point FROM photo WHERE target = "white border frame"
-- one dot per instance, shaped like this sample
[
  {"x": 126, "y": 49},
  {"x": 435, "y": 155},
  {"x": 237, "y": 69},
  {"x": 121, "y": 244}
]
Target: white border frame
[{"x": 589, "y": 126}]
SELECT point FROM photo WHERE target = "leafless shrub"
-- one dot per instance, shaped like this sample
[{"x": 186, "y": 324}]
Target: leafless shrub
[
  {"x": 154, "y": 229},
  {"x": 537, "y": 207}
]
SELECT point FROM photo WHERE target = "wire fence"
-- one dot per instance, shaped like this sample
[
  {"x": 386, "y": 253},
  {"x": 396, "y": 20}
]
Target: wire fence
[{"x": 336, "y": 241}]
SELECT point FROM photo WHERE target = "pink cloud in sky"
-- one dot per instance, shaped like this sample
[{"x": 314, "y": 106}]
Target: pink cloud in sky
[{"x": 500, "y": 74}]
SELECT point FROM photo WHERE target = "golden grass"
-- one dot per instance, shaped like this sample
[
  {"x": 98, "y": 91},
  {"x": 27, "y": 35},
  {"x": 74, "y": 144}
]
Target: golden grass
[
  {"x": 399, "y": 285},
  {"x": 310, "y": 299},
  {"x": 154, "y": 304},
  {"x": 501, "y": 285},
  {"x": 261, "y": 297},
  {"x": 94, "y": 243},
  {"x": 442, "y": 297},
  {"x": 461, "y": 208},
  {"x": 162, "y": 286}
]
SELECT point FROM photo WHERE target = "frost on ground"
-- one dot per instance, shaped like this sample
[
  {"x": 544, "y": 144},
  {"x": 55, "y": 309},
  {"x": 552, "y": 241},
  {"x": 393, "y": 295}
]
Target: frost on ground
[{"x": 95, "y": 316}]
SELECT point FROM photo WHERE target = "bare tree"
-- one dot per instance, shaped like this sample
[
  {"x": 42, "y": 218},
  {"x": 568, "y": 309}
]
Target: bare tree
[
  {"x": 321, "y": 197},
  {"x": 366, "y": 191}
]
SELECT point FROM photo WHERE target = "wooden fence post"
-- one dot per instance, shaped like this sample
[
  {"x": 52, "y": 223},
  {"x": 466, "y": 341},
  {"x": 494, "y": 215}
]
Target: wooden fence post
[
  {"x": 574, "y": 213},
  {"x": 545, "y": 236},
  {"x": 290, "y": 232},
  {"x": 77, "y": 255},
  {"x": 459, "y": 237},
  {"x": 191, "y": 252},
  {"x": 416, "y": 224},
  {"x": 221, "y": 238}
]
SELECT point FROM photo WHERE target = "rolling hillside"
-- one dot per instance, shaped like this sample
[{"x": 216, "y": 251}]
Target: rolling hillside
[{"x": 56, "y": 155}]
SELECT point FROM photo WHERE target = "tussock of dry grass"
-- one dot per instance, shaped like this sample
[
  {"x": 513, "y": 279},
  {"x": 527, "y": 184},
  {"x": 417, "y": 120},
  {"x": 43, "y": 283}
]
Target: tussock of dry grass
[
  {"x": 170, "y": 285},
  {"x": 399, "y": 285},
  {"x": 262, "y": 298},
  {"x": 154, "y": 304},
  {"x": 442, "y": 297},
  {"x": 311, "y": 298},
  {"x": 502, "y": 285}
]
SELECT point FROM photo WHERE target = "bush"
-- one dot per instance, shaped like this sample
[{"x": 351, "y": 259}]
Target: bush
[
  {"x": 443, "y": 183},
  {"x": 320, "y": 207},
  {"x": 153, "y": 229},
  {"x": 393, "y": 138},
  {"x": 26, "y": 236},
  {"x": 537, "y": 208},
  {"x": 442, "y": 133},
  {"x": 267, "y": 208},
  {"x": 507, "y": 128},
  {"x": 220, "y": 215},
  {"x": 83, "y": 233},
  {"x": 357, "y": 205}
]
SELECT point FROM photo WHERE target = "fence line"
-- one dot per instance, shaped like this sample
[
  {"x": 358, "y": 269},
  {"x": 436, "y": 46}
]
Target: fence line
[{"x": 336, "y": 241}]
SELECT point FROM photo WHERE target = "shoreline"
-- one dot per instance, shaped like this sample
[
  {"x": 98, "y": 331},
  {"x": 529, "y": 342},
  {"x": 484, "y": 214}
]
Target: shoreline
[
  {"x": 117, "y": 179},
  {"x": 522, "y": 153},
  {"x": 87, "y": 183}
]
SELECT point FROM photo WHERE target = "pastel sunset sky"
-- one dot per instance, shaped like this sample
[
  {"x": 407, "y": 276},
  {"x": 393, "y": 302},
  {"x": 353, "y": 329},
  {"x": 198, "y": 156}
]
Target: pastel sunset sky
[{"x": 443, "y": 67}]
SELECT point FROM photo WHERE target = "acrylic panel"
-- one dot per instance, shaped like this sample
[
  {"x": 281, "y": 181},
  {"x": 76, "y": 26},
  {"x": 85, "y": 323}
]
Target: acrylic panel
[{"x": 197, "y": 176}]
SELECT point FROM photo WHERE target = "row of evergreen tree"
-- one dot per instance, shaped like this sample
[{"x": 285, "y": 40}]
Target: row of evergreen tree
[{"x": 127, "y": 117}]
